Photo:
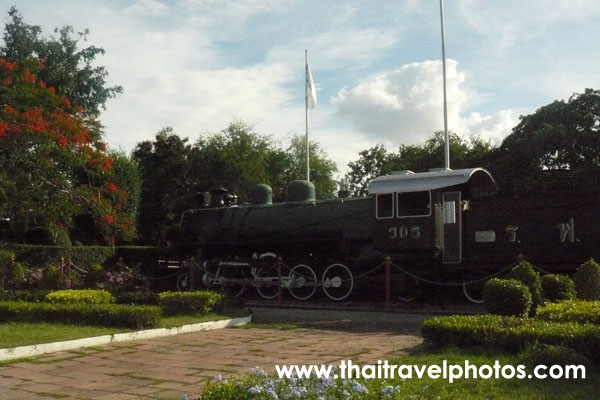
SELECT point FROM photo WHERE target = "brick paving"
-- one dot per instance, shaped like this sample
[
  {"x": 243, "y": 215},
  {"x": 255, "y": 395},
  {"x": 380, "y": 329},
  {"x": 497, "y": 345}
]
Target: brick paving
[{"x": 168, "y": 368}]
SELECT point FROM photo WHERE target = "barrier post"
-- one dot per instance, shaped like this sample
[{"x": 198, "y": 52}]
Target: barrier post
[
  {"x": 387, "y": 282},
  {"x": 279, "y": 293},
  {"x": 191, "y": 274}
]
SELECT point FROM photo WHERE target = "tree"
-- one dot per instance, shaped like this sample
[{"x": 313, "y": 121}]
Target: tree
[
  {"x": 561, "y": 136},
  {"x": 166, "y": 188},
  {"x": 321, "y": 167},
  {"x": 67, "y": 68},
  {"x": 53, "y": 162},
  {"x": 374, "y": 162}
]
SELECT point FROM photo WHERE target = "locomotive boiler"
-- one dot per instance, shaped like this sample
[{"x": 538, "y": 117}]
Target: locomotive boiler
[{"x": 445, "y": 227}]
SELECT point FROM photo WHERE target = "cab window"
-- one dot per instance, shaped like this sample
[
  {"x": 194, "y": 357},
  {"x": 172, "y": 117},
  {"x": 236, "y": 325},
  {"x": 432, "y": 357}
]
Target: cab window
[
  {"x": 384, "y": 205},
  {"x": 414, "y": 204}
]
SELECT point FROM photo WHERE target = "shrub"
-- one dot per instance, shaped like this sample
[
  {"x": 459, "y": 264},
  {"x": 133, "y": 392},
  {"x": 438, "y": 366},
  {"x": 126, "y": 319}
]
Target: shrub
[
  {"x": 587, "y": 280},
  {"x": 549, "y": 354},
  {"x": 510, "y": 333},
  {"x": 558, "y": 287},
  {"x": 95, "y": 278},
  {"x": 34, "y": 296},
  {"x": 51, "y": 278},
  {"x": 87, "y": 296},
  {"x": 525, "y": 274},
  {"x": 117, "y": 315},
  {"x": 198, "y": 302},
  {"x": 571, "y": 311},
  {"x": 139, "y": 298},
  {"x": 11, "y": 272},
  {"x": 506, "y": 297}
]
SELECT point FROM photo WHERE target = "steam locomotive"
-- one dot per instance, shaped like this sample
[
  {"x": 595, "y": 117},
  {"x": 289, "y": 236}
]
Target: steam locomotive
[{"x": 444, "y": 227}]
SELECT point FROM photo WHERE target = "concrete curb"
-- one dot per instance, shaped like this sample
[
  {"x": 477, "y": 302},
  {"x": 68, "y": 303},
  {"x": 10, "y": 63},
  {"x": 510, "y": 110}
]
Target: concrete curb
[{"x": 12, "y": 353}]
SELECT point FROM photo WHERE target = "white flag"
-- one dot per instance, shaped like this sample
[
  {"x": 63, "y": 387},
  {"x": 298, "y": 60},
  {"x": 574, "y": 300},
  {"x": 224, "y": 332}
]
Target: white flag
[{"x": 311, "y": 92}]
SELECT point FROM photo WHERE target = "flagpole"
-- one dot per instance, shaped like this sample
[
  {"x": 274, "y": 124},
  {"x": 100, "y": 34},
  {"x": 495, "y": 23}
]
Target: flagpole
[
  {"x": 306, "y": 112},
  {"x": 446, "y": 139}
]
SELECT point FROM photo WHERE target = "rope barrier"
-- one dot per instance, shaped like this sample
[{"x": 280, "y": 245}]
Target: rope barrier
[{"x": 419, "y": 278}]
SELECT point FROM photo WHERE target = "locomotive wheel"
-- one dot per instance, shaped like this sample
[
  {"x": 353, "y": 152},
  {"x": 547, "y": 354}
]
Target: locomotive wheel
[
  {"x": 183, "y": 282},
  {"x": 303, "y": 284},
  {"x": 407, "y": 288},
  {"x": 236, "y": 289},
  {"x": 338, "y": 281},
  {"x": 268, "y": 274}
]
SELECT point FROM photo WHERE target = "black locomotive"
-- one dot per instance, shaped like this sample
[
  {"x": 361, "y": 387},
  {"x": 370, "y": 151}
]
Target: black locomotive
[{"x": 446, "y": 227}]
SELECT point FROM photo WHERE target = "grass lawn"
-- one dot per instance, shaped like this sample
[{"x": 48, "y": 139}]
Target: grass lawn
[
  {"x": 13, "y": 334},
  {"x": 522, "y": 389}
]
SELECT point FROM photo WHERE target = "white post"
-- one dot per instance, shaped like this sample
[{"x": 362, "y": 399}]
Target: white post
[
  {"x": 446, "y": 138},
  {"x": 306, "y": 113}
]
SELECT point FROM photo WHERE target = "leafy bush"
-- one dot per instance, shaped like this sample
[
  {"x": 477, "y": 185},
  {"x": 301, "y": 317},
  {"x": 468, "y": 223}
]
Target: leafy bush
[
  {"x": 95, "y": 278},
  {"x": 525, "y": 274},
  {"x": 34, "y": 296},
  {"x": 571, "y": 311},
  {"x": 198, "y": 302},
  {"x": 558, "y": 287},
  {"x": 117, "y": 315},
  {"x": 51, "y": 278},
  {"x": 587, "y": 280},
  {"x": 510, "y": 333},
  {"x": 548, "y": 354},
  {"x": 506, "y": 297},
  {"x": 11, "y": 272},
  {"x": 87, "y": 296},
  {"x": 139, "y": 298}
]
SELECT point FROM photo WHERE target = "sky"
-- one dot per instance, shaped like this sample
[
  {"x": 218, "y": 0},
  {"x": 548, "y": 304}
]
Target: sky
[{"x": 198, "y": 65}]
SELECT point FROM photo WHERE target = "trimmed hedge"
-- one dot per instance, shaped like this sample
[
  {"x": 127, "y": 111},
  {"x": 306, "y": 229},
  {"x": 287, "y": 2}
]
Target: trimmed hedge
[
  {"x": 507, "y": 297},
  {"x": 525, "y": 274},
  {"x": 34, "y": 296},
  {"x": 587, "y": 280},
  {"x": 197, "y": 302},
  {"x": 571, "y": 311},
  {"x": 116, "y": 315},
  {"x": 86, "y": 296},
  {"x": 510, "y": 333},
  {"x": 557, "y": 287}
]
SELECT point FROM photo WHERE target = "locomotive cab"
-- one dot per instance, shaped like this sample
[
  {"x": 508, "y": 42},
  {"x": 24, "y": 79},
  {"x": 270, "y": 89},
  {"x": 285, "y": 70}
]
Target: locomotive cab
[{"x": 421, "y": 214}]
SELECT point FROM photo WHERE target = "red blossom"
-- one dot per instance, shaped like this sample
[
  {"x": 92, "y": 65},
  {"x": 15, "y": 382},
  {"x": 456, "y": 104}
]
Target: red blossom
[
  {"x": 108, "y": 219},
  {"x": 107, "y": 164},
  {"x": 3, "y": 129},
  {"x": 62, "y": 141},
  {"x": 28, "y": 76},
  {"x": 9, "y": 109},
  {"x": 66, "y": 102},
  {"x": 112, "y": 187}
]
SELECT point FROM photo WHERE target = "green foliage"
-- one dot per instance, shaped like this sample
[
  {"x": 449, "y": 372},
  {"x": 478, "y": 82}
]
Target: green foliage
[
  {"x": 557, "y": 287},
  {"x": 95, "y": 278},
  {"x": 12, "y": 273},
  {"x": 70, "y": 68},
  {"x": 546, "y": 354},
  {"x": 137, "y": 297},
  {"x": 507, "y": 297},
  {"x": 87, "y": 296},
  {"x": 52, "y": 279},
  {"x": 560, "y": 136},
  {"x": 571, "y": 311},
  {"x": 117, "y": 315},
  {"x": 376, "y": 161},
  {"x": 29, "y": 295},
  {"x": 198, "y": 302},
  {"x": 510, "y": 333},
  {"x": 587, "y": 280},
  {"x": 525, "y": 273}
]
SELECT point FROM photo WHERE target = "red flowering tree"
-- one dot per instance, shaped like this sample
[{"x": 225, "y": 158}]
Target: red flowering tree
[{"x": 53, "y": 162}]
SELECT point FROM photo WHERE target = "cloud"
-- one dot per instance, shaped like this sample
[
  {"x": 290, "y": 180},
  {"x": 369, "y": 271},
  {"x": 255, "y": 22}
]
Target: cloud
[
  {"x": 151, "y": 8},
  {"x": 406, "y": 105}
]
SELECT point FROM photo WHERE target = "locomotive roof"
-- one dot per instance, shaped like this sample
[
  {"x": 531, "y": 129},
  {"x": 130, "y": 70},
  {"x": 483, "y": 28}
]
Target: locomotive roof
[{"x": 407, "y": 181}]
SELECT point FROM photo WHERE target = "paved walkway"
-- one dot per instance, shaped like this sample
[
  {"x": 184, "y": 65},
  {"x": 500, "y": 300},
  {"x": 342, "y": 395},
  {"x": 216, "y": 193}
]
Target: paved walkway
[{"x": 169, "y": 367}]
